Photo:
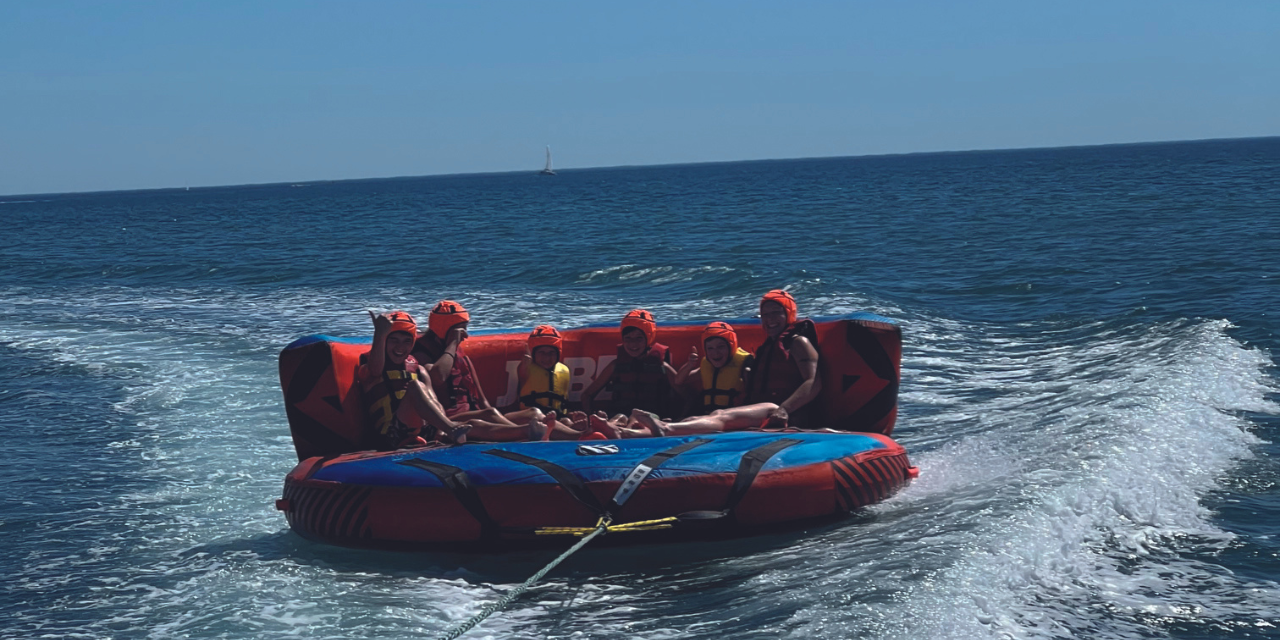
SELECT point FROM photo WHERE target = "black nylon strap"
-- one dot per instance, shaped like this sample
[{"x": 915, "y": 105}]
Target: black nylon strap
[
  {"x": 456, "y": 480},
  {"x": 652, "y": 462},
  {"x": 538, "y": 395},
  {"x": 712, "y": 393},
  {"x": 565, "y": 478},
  {"x": 749, "y": 467}
]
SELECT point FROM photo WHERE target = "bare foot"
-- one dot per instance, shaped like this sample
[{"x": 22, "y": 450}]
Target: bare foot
[
  {"x": 650, "y": 422},
  {"x": 578, "y": 422},
  {"x": 602, "y": 426},
  {"x": 549, "y": 424},
  {"x": 458, "y": 433},
  {"x": 537, "y": 429}
]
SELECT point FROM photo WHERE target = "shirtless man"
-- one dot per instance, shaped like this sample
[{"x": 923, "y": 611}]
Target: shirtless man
[{"x": 786, "y": 366}]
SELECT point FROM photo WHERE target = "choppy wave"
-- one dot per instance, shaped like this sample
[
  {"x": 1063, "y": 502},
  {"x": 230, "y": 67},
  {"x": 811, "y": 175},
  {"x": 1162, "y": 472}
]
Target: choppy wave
[
  {"x": 1066, "y": 485},
  {"x": 652, "y": 275}
]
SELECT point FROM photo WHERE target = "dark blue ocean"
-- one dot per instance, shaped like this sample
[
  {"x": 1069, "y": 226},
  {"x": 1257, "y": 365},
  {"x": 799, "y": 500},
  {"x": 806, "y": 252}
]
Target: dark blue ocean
[{"x": 1089, "y": 390}]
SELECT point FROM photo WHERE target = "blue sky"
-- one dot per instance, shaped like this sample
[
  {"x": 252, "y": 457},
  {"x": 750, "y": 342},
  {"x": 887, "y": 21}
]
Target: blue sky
[{"x": 97, "y": 96}]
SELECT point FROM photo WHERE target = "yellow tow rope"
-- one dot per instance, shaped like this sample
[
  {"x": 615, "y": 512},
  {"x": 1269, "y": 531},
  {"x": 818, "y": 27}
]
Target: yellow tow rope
[{"x": 642, "y": 525}]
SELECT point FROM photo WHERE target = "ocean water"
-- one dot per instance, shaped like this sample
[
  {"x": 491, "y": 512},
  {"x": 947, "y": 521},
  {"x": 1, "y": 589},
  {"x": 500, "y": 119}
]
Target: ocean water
[{"x": 1089, "y": 390}]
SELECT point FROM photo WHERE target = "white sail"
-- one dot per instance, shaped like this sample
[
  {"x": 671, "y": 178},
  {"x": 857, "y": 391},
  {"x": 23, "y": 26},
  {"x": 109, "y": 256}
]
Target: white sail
[{"x": 547, "y": 170}]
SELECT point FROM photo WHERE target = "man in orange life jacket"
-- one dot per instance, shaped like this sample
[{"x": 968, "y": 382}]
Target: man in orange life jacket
[
  {"x": 388, "y": 378},
  {"x": 786, "y": 366},
  {"x": 458, "y": 387},
  {"x": 641, "y": 377}
]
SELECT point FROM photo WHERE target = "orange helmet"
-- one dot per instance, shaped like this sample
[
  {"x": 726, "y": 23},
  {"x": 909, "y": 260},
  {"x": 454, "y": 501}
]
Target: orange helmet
[
  {"x": 783, "y": 298},
  {"x": 445, "y": 316},
  {"x": 545, "y": 335},
  {"x": 642, "y": 320},
  {"x": 402, "y": 321},
  {"x": 721, "y": 330}
]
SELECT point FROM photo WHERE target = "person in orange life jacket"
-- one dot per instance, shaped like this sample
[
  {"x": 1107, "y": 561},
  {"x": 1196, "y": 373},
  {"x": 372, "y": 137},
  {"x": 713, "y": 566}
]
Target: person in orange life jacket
[
  {"x": 544, "y": 383},
  {"x": 455, "y": 382},
  {"x": 641, "y": 377},
  {"x": 721, "y": 380},
  {"x": 786, "y": 367},
  {"x": 390, "y": 376}
]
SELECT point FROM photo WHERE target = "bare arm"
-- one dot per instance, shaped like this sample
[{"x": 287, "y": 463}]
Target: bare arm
[
  {"x": 522, "y": 375},
  {"x": 424, "y": 400},
  {"x": 806, "y": 359},
  {"x": 481, "y": 400},
  {"x": 378, "y": 354},
  {"x": 589, "y": 394},
  {"x": 671, "y": 373},
  {"x": 444, "y": 364},
  {"x": 522, "y": 370},
  {"x": 683, "y": 374}
]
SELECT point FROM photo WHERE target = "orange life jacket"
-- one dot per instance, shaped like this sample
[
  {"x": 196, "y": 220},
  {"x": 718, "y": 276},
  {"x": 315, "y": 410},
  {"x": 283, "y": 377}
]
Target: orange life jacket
[
  {"x": 460, "y": 390},
  {"x": 387, "y": 425}
]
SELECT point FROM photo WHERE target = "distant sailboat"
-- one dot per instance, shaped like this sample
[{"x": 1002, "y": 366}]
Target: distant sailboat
[{"x": 547, "y": 170}]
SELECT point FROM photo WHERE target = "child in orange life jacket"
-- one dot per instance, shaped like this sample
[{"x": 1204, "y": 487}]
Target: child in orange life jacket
[
  {"x": 786, "y": 369},
  {"x": 456, "y": 384},
  {"x": 722, "y": 373},
  {"x": 388, "y": 378},
  {"x": 641, "y": 377},
  {"x": 544, "y": 380},
  {"x": 544, "y": 383}
]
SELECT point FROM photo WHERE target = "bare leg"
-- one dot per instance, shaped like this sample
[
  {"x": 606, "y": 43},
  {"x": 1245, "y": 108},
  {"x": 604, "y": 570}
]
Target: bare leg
[
  {"x": 578, "y": 423},
  {"x": 500, "y": 431},
  {"x": 629, "y": 427},
  {"x": 600, "y": 425},
  {"x": 732, "y": 419},
  {"x": 522, "y": 416},
  {"x": 562, "y": 429},
  {"x": 538, "y": 426},
  {"x": 490, "y": 415},
  {"x": 495, "y": 432},
  {"x": 424, "y": 400}
]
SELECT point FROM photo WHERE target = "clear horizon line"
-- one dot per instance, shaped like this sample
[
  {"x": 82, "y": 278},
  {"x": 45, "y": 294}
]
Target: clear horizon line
[{"x": 628, "y": 166}]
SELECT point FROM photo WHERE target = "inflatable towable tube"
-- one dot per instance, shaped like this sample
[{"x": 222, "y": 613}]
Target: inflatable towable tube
[{"x": 526, "y": 490}]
